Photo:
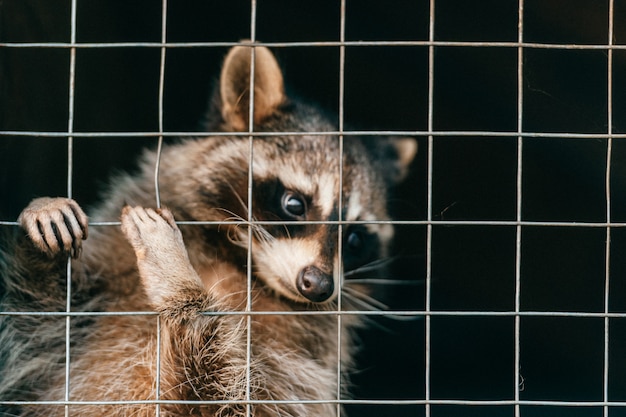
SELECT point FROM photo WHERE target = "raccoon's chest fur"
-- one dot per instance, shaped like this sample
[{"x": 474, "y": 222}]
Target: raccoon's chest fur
[{"x": 221, "y": 303}]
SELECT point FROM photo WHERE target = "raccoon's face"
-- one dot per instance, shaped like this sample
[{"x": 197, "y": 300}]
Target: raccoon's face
[
  {"x": 300, "y": 249},
  {"x": 306, "y": 189}
]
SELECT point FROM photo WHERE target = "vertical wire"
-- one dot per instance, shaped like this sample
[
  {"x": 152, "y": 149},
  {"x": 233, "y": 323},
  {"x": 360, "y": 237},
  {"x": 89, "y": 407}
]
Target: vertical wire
[
  {"x": 609, "y": 153},
  {"x": 70, "y": 168},
  {"x": 157, "y": 387},
  {"x": 161, "y": 94},
  {"x": 518, "y": 231},
  {"x": 342, "y": 63},
  {"x": 157, "y": 191},
  {"x": 250, "y": 218},
  {"x": 429, "y": 225}
]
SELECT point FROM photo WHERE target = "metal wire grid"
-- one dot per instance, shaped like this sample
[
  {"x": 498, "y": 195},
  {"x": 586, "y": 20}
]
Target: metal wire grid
[{"x": 431, "y": 134}]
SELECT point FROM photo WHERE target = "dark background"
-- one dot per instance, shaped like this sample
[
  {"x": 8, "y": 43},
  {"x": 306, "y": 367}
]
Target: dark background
[{"x": 474, "y": 178}]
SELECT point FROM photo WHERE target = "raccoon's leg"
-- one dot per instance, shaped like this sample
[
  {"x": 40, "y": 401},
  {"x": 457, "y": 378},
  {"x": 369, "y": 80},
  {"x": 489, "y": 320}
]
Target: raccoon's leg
[
  {"x": 33, "y": 278},
  {"x": 202, "y": 355},
  {"x": 169, "y": 279}
]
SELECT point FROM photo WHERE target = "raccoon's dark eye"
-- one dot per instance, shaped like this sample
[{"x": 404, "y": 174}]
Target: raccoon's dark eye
[
  {"x": 359, "y": 247},
  {"x": 293, "y": 204},
  {"x": 355, "y": 241}
]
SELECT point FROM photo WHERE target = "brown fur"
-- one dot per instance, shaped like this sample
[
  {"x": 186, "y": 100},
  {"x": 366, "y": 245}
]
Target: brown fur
[{"x": 215, "y": 360}]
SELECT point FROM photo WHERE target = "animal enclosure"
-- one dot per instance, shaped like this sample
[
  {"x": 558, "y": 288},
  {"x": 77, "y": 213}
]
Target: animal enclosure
[{"x": 505, "y": 292}]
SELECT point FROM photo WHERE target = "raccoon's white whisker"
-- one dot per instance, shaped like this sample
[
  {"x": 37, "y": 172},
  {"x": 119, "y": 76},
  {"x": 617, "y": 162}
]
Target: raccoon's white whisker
[
  {"x": 287, "y": 231},
  {"x": 262, "y": 233},
  {"x": 233, "y": 215},
  {"x": 356, "y": 302},
  {"x": 234, "y": 238},
  {"x": 365, "y": 300},
  {"x": 238, "y": 197},
  {"x": 244, "y": 207},
  {"x": 370, "y": 303},
  {"x": 259, "y": 231},
  {"x": 372, "y": 266},
  {"x": 383, "y": 281}
]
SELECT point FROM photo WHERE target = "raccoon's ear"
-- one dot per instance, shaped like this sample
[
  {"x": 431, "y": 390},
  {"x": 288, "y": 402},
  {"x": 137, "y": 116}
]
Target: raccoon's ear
[
  {"x": 269, "y": 91},
  {"x": 399, "y": 154}
]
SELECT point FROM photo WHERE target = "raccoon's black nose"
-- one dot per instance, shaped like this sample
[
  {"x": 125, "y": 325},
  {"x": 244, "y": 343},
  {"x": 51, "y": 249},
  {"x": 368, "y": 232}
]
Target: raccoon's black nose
[{"x": 314, "y": 284}]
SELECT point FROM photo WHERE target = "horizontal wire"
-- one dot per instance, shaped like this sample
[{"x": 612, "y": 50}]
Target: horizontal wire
[
  {"x": 502, "y": 223},
  {"x": 418, "y": 43},
  {"x": 381, "y": 313},
  {"x": 334, "y": 401},
  {"x": 442, "y": 133}
]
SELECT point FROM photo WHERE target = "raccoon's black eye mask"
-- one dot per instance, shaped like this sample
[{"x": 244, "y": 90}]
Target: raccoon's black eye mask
[{"x": 360, "y": 247}]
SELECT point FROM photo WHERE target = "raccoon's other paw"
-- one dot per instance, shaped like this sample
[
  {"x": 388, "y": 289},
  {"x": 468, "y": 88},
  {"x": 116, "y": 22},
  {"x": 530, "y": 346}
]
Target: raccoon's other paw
[
  {"x": 161, "y": 254},
  {"x": 55, "y": 225},
  {"x": 153, "y": 234}
]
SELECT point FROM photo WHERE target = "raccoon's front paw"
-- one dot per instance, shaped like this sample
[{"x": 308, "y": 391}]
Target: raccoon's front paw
[
  {"x": 55, "y": 225},
  {"x": 152, "y": 233},
  {"x": 161, "y": 254}
]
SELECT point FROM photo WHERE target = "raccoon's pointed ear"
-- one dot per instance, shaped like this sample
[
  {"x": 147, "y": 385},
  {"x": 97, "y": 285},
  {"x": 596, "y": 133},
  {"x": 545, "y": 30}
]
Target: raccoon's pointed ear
[
  {"x": 269, "y": 91},
  {"x": 400, "y": 153}
]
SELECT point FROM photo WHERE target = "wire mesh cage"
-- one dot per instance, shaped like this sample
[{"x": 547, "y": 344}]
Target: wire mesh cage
[{"x": 504, "y": 294}]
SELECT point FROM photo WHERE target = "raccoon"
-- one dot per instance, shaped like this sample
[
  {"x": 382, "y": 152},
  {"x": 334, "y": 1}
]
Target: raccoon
[{"x": 220, "y": 302}]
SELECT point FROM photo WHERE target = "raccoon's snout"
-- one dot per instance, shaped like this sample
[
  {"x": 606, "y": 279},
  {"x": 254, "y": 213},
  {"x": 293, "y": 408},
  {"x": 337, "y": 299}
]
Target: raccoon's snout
[{"x": 314, "y": 284}]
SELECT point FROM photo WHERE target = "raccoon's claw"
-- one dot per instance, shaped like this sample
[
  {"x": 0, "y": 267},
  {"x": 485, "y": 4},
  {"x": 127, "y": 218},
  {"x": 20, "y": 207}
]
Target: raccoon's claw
[{"x": 55, "y": 225}]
